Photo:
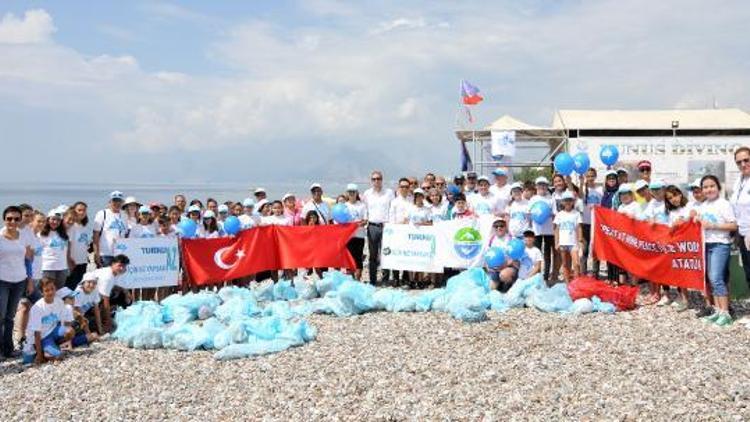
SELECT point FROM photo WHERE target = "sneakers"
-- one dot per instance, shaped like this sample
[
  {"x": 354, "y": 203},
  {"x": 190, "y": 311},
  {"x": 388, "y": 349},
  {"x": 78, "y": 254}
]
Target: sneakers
[
  {"x": 664, "y": 301},
  {"x": 679, "y": 306},
  {"x": 723, "y": 320},
  {"x": 704, "y": 312},
  {"x": 712, "y": 318}
]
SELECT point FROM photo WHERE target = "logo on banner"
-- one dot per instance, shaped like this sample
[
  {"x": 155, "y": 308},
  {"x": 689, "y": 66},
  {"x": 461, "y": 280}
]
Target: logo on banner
[{"x": 467, "y": 242}]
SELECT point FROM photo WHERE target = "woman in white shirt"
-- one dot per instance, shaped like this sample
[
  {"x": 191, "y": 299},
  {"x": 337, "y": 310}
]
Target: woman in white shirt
[
  {"x": 211, "y": 228},
  {"x": 145, "y": 228},
  {"x": 274, "y": 215},
  {"x": 358, "y": 211},
  {"x": 717, "y": 218},
  {"x": 13, "y": 277},
  {"x": 55, "y": 250},
  {"x": 419, "y": 212},
  {"x": 438, "y": 205},
  {"x": 740, "y": 201},
  {"x": 81, "y": 234}
]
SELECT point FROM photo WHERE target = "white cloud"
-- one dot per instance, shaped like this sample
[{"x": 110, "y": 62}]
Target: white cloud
[{"x": 35, "y": 27}]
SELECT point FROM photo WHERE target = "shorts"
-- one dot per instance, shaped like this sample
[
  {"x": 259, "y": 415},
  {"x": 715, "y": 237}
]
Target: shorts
[
  {"x": 50, "y": 344},
  {"x": 356, "y": 247},
  {"x": 566, "y": 248}
]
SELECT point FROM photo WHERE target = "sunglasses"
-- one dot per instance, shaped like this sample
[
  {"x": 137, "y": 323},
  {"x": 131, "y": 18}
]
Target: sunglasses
[
  {"x": 499, "y": 226},
  {"x": 742, "y": 161},
  {"x": 13, "y": 219},
  {"x": 403, "y": 186},
  {"x": 645, "y": 170},
  {"x": 376, "y": 178}
]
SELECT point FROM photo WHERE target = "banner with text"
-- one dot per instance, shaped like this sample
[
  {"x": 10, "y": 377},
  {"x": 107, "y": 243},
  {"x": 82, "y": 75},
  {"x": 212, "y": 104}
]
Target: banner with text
[
  {"x": 154, "y": 262},
  {"x": 410, "y": 248},
  {"x": 654, "y": 252}
]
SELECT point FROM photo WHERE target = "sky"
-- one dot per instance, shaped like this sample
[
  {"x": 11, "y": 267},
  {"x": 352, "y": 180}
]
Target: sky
[{"x": 226, "y": 91}]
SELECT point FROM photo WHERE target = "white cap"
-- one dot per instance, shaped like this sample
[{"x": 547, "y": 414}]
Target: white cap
[
  {"x": 193, "y": 208},
  {"x": 352, "y": 187},
  {"x": 260, "y": 190},
  {"x": 625, "y": 188},
  {"x": 541, "y": 180},
  {"x": 223, "y": 208},
  {"x": 622, "y": 169},
  {"x": 53, "y": 213},
  {"x": 315, "y": 185},
  {"x": 62, "y": 208},
  {"x": 418, "y": 191},
  {"x": 116, "y": 195},
  {"x": 287, "y": 196},
  {"x": 131, "y": 200},
  {"x": 640, "y": 184},
  {"x": 485, "y": 178},
  {"x": 63, "y": 293},
  {"x": 90, "y": 276},
  {"x": 696, "y": 184},
  {"x": 610, "y": 173},
  {"x": 516, "y": 185},
  {"x": 209, "y": 214},
  {"x": 248, "y": 202},
  {"x": 567, "y": 195}
]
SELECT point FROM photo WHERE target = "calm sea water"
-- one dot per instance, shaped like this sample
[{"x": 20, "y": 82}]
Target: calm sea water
[{"x": 45, "y": 196}]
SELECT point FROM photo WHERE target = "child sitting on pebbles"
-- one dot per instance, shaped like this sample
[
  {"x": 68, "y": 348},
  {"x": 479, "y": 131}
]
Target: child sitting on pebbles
[{"x": 49, "y": 327}]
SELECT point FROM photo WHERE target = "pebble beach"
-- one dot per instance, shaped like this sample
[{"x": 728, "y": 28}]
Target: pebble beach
[{"x": 648, "y": 364}]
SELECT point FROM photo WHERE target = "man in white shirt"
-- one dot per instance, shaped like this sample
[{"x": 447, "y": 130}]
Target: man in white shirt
[
  {"x": 378, "y": 203},
  {"x": 401, "y": 204},
  {"x": 109, "y": 226},
  {"x": 471, "y": 183},
  {"x": 317, "y": 204},
  {"x": 108, "y": 283},
  {"x": 501, "y": 188}
]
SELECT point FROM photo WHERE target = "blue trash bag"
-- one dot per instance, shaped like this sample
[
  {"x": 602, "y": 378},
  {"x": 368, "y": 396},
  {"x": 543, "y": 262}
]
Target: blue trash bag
[
  {"x": 186, "y": 337},
  {"x": 582, "y": 306},
  {"x": 132, "y": 321},
  {"x": 302, "y": 309},
  {"x": 467, "y": 303},
  {"x": 265, "y": 328},
  {"x": 293, "y": 334},
  {"x": 424, "y": 300},
  {"x": 394, "y": 301},
  {"x": 211, "y": 327},
  {"x": 148, "y": 338},
  {"x": 278, "y": 308},
  {"x": 554, "y": 299},
  {"x": 230, "y": 292},
  {"x": 497, "y": 301},
  {"x": 515, "y": 297},
  {"x": 283, "y": 290},
  {"x": 305, "y": 288},
  {"x": 331, "y": 282},
  {"x": 264, "y": 291},
  {"x": 234, "y": 333},
  {"x": 185, "y": 308},
  {"x": 354, "y": 298},
  {"x": 603, "y": 307},
  {"x": 325, "y": 305},
  {"x": 237, "y": 308},
  {"x": 473, "y": 276}
]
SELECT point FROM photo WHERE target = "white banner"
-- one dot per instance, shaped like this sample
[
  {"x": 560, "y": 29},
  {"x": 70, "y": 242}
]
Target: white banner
[
  {"x": 154, "y": 262},
  {"x": 462, "y": 243},
  {"x": 503, "y": 143},
  {"x": 410, "y": 248}
]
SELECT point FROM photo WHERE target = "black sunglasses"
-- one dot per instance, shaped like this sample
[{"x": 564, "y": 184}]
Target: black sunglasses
[
  {"x": 742, "y": 161},
  {"x": 13, "y": 219},
  {"x": 643, "y": 170},
  {"x": 376, "y": 178}
]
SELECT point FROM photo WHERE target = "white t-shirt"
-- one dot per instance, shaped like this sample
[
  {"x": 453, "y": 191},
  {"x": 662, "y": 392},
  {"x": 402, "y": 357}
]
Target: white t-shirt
[
  {"x": 718, "y": 211},
  {"x": 248, "y": 221},
  {"x": 80, "y": 240},
  {"x": 358, "y": 211},
  {"x": 532, "y": 256},
  {"x": 28, "y": 236},
  {"x": 140, "y": 231},
  {"x": 113, "y": 227},
  {"x": 378, "y": 204},
  {"x": 106, "y": 280},
  {"x": 632, "y": 210},
  {"x": 740, "y": 201},
  {"x": 500, "y": 241},
  {"x": 12, "y": 258},
  {"x": 593, "y": 199},
  {"x": 54, "y": 252},
  {"x": 322, "y": 209},
  {"x": 680, "y": 214},
  {"x": 438, "y": 211},
  {"x": 655, "y": 210},
  {"x": 212, "y": 235},
  {"x": 502, "y": 194},
  {"x": 546, "y": 228},
  {"x": 485, "y": 205},
  {"x": 419, "y": 215},
  {"x": 400, "y": 207},
  {"x": 567, "y": 227},
  {"x": 519, "y": 217},
  {"x": 44, "y": 317},
  {"x": 85, "y": 301},
  {"x": 274, "y": 220}
]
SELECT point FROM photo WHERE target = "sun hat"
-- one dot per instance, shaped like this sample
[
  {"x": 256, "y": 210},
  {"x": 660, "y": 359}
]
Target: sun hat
[{"x": 131, "y": 200}]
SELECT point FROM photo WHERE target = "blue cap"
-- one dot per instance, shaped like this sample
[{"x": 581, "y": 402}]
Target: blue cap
[
  {"x": 500, "y": 172},
  {"x": 144, "y": 210},
  {"x": 193, "y": 208},
  {"x": 625, "y": 188},
  {"x": 567, "y": 195},
  {"x": 657, "y": 184},
  {"x": 453, "y": 190}
]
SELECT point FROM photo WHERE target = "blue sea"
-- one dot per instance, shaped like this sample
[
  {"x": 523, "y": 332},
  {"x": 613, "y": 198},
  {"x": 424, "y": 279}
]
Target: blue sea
[{"x": 45, "y": 196}]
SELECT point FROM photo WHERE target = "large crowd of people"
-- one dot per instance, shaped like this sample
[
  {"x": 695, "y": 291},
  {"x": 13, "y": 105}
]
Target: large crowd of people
[{"x": 59, "y": 270}]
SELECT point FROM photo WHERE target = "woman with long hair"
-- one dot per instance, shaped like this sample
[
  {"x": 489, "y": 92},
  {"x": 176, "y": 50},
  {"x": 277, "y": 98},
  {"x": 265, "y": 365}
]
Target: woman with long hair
[
  {"x": 358, "y": 211},
  {"x": 81, "y": 234},
  {"x": 55, "y": 250}
]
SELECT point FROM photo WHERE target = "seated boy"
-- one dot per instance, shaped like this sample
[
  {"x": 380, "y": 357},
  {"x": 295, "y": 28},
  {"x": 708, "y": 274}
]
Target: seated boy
[
  {"x": 531, "y": 263},
  {"x": 49, "y": 326}
]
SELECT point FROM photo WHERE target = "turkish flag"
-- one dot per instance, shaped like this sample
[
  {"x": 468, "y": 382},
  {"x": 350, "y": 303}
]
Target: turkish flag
[{"x": 209, "y": 261}]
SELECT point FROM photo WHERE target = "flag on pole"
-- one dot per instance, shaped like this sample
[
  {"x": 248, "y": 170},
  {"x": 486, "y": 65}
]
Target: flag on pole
[{"x": 470, "y": 93}]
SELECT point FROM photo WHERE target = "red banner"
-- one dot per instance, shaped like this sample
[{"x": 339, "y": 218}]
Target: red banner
[
  {"x": 661, "y": 254},
  {"x": 209, "y": 261}
]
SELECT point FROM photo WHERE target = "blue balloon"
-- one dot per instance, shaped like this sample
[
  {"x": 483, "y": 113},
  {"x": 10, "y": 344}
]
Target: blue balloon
[
  {"x": 187, "y": 228},
  {"x": 341, "y": 214},
  {"x": 581, "y": 163},
  {"x": 541, "y": 212},
  {"x": 564, "y": 164},
  {"x": 515, "y": 249},
  {"x": 232, "y": 225},
  {"x": 609, "y": 155},
  {"x": 494, "y": 257}
]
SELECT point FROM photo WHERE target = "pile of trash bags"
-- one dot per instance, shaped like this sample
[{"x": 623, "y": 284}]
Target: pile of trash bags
[{"x": 270, "y": 317}]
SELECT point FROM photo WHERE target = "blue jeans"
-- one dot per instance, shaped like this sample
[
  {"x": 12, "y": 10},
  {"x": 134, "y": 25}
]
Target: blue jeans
[
  {"x": 10, "y": 295},
  {"x": 717, "y": 262}
]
